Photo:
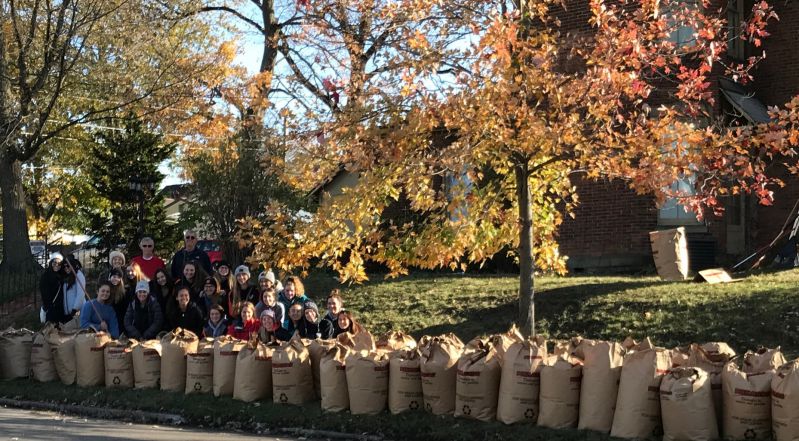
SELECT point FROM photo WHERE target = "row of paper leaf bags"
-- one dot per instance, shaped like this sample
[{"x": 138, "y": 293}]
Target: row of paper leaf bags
[{"x": 629, "y": 389}]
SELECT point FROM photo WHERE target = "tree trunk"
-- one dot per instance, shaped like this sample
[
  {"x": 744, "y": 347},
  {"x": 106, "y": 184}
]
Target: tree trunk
[
  {"x": 17, "y": 255},
  {"x": 526, "y": 262}
]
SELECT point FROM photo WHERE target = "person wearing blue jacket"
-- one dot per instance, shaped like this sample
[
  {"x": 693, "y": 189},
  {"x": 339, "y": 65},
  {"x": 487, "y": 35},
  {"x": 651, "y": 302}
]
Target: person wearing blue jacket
[
  {"x": 293, "y": 293},
  {"x": 99, "y": 313}
]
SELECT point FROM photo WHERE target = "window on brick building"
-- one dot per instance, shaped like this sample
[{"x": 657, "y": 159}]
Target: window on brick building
[
  {"x": 673, "y": 212},
  {"x": 681, "y": 34},
  {"x": 737, "y": 48}
]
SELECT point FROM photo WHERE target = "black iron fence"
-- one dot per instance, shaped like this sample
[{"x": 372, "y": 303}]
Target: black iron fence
[{"x": 19, "y": 299}]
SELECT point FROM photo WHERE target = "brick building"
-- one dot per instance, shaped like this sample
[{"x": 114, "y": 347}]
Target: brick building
[{"x": 611, "y": 226}]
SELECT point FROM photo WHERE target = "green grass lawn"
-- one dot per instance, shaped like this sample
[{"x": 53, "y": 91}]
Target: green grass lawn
[{"x": 761, "y": 310}]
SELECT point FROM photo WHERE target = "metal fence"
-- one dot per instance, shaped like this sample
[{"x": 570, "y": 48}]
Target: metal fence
[{"x": 19, "y": 298}]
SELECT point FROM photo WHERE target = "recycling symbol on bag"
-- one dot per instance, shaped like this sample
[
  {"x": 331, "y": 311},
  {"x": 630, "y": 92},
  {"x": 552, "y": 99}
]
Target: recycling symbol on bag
[
  {"x": 198, "y": 386},
  {"x": 750, "y": 434},
  {"x": 467, "y": 410},
  {"x": 284, "y": 398},
  {"x": 117, "y": 380},
  {"x": 414, "y": 405},
  {"x": 529, "y": 413}
]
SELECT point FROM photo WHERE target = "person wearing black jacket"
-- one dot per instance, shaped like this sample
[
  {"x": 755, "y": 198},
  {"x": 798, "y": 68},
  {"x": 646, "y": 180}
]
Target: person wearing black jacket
[
  {"x": 190, "y": 253},
  {"x": 143, "y": 319},
  {"x": 299, "y": 323},
  {"x": 51, "y": 287},
  {"x": 187, "y": 314},
  {"x": 328, "y": 326}
]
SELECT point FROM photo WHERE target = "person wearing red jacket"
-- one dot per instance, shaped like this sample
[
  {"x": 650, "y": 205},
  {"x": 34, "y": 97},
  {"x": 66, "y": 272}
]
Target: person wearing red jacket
[{"x": 246, "y": 325}]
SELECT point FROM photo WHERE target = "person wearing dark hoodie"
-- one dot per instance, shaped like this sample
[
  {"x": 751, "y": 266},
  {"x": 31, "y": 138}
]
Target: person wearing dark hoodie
[
  {"x": 51, "y": 286},
  {"x": 217, "y": 323},
  {"x": 187, "y": 314},
  {"x": 328, "y": 326},
  {"x": 293, "y": 293},
  {"x": 162, "y": 289},
  {"x": 144, "y": 318}
]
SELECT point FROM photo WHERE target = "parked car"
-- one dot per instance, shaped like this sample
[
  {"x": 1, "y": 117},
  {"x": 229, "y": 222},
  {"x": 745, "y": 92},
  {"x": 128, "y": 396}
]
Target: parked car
[{"x": 211, "y": 247}]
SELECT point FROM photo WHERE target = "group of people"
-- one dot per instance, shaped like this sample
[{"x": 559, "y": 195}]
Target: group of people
[{"x": 144, "y": 298}]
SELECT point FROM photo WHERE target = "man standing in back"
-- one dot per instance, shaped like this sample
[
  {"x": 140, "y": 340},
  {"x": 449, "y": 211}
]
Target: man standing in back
[
  {"x": 189, "y": 253},
  {"x": 148, "y": 263}
]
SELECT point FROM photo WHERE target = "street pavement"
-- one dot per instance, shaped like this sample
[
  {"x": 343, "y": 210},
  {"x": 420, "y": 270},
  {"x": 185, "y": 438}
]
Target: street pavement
[{"x": 26, "y": 425}]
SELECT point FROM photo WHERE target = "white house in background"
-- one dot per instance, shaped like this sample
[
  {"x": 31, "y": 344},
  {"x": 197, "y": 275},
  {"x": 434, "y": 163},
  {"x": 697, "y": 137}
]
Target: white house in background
[{"x": 176, "y": 199}]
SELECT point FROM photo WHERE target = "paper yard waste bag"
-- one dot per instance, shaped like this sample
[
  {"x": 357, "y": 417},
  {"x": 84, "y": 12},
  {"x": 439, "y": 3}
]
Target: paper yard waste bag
[
  {"x": 520, "y": 383},
  {"x": 503, "y": 342},
  {"x": 253, "y": 372},
  {"x": 62, "y": 345},
  {"x": 146, "y": 356},
  {"x": 118, "y": 359},
  {"x": 637, "y": 412},
  {"x": 670, "y": 253},
  {"x": 394, "y": 341},
  {"x": 785, "y": 402},
  {"x": 405, "y": 381},
  {"x": 292, "y": 379},
  {"x": 439, "y": 365},
  {"x": 200, "y": 368},
  {"x": 90, "y": 357},
  {"x": 559, "y": 401},
  {"x": 686, "y": 403},
  {"x": 680, "y": 356},
  {"x": 747, "y": 402},
  {"x": 477, "y": 381},
  {"x": 367, "y": 382},
  {"x": 333, "y": 380},
  {"x": 42, "y": 363},
  {"x": 316, "y": 349},
  {"x": 763, "y": 359},
  {"x": 174, "y": 347},
  {"x": 599, "y": 389},
  {"x": 226, "y": 352},
  {"x": 15, "y": 353},
  {"x": 362, "y": 341},
  {"x": 711, "y": 357}
]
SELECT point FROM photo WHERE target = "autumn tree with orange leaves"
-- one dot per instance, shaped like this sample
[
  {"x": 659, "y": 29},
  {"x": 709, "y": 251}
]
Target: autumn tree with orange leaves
[{"x": 483, "y": 156}]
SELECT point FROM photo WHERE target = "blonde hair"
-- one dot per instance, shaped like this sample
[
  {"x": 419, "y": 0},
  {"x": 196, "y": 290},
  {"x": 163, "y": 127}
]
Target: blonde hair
[{"x": 247, "y": 305}]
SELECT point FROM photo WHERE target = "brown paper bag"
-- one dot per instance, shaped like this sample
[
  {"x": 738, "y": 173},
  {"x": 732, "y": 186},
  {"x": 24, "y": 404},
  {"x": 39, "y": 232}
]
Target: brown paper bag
[
  {"x": 226, "y": 352},
  {"x": 367, "y": 382},
  {"x": 439, "y": 365},
  {"x": 62, "y": 345},
  {"x": 405, "y": 381},
  {"x": 763, "y": 359},
  {"x": 362, "y": 341},
  {"x": 292, "y": 377},
  {"x": 785, "y": 402},
  {"x": 333, "y": 380},
  {"x": 477, "y": 381},
  {"x": 711, "y": 357},
  {"x": 15, "y": 353},
  {"x": 503, "y": 342},
  {"x": 42, "y": 363},
  {"x": 395, "y": 341},
  {"x": 174, "y": 347},
  {"x": 559, "y": 402},
  {"x": 90, "y": 357},
  {"x": 146, "y": 358},
  {"x": 521, "y": 382},
  {"x": 200, "y": 368},
  {"x": 747, "y": 403},
  {"x": 253, "y": 372},
  {"x": 637, "y": 412},
  {"x": 316, "y": 350},
  {"x": 600, "y": 385},
  {"x": 118, "y": 360},
  {"x": 686, "y": 403}
]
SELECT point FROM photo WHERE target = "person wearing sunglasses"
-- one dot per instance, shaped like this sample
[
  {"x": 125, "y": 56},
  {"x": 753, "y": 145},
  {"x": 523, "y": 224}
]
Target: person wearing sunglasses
[
  {"x": 189, "y": 253},
  {"x": 148, "y": 263}
]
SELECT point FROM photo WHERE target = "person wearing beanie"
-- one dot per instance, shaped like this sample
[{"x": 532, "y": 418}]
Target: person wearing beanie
[
  {"x": 116, "y": 260},
  {"x": 268, "y": 276},
  {"x": 120, "y": 297},
  {"x": 302, "y": 318},
  {"x": 270, "y": 332},
  {"x": 143, "y": 318},
  {"x": 243, "y": 291},
  {"x": 224, "y": 276},
  {"x": 269, "y": 301},
  {"x": 51, "y": 288}
]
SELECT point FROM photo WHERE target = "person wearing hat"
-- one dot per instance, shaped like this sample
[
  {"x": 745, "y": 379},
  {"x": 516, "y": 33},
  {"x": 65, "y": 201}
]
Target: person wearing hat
[
  {"x": 299, "y": 322},
  {"x": 143, "y": 318},
  {"x": 51, "y": 288},
  {"x": 189, "y": 253},
  {"x": 270, "y": 332},
  {"x": 120, "y": 295},
  {"x": 224, "y": 276},
  {"x": 116, "y": 260},
  {"x": 267, "y": 279},
  {"x": 243, "y": 291}
]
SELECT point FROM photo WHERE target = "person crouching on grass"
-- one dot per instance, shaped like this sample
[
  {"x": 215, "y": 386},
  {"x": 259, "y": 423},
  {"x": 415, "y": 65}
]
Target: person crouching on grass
[
  {"x": 217, "y": 325},
  {"x": 246, "y": 325},
  {"x": 271, "y": 332},
  {"x": 143, "y": 319},
  {"x": 99, "y": 314},
  {"x": 187, "y": 314}
]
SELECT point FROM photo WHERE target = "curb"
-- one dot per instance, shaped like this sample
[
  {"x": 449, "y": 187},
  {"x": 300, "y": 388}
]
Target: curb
[{"x": 142, "y": 417}]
